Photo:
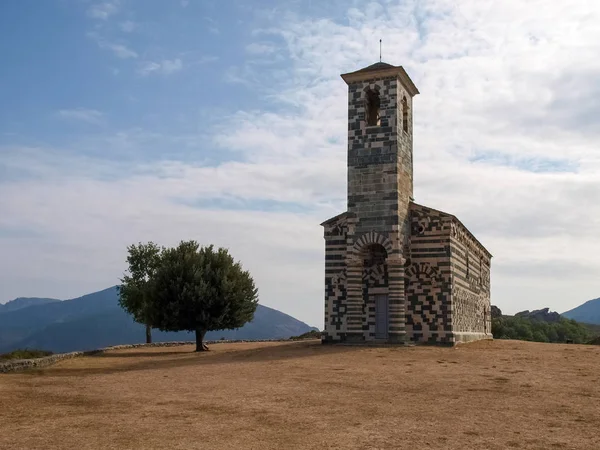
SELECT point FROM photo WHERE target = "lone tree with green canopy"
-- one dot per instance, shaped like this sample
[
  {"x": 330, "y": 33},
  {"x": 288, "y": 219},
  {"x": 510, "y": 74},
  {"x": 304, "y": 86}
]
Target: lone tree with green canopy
[
  {"x": 201, "y": 289},
  {"x": 135, "y": 291}
]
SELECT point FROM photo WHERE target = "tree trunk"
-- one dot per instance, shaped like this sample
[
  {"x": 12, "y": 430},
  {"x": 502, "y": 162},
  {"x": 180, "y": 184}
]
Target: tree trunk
[
  {"x": 200, "y": 347},
  {"x": 148, "y": 334}
]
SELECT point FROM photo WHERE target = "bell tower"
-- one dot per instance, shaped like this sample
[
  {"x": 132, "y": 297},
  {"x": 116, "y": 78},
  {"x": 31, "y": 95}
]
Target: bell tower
[
  {"x": 365, "y": 247},
  {"x": 380, "y": 150},
  {"x": 380, "y": 189}
]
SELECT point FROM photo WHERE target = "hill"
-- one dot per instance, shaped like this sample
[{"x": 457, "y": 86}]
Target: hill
[
  {"x": 24, "y": 302},
  {"x": 96, "y": 320},
  {"x": 589, "y": 312}
]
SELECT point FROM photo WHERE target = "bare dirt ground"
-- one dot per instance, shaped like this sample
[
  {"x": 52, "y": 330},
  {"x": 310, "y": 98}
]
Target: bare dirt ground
[{"x": 484, "y": 395}]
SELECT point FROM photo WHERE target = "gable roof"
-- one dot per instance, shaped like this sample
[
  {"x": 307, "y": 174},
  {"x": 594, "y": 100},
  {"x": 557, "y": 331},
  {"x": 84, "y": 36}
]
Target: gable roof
[
  {"x": 454, "y": 219},
  {"x": 334, "y": 219}
]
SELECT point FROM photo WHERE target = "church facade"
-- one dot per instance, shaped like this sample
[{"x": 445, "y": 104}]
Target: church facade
[{"x": 397, "y": 271}]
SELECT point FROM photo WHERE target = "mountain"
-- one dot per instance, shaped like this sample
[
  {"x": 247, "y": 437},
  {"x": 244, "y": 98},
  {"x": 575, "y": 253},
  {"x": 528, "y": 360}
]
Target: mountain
[
  {"x": 588, "y": 312},
  {"x": 24, "y": 302},
  {"x": 96, "y": 320}
]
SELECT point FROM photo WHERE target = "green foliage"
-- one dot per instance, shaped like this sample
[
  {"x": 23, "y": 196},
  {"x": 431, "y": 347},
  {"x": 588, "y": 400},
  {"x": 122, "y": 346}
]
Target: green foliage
[
  {"x": 528, "y": 329},
  {"x": 135, "y": 292},
  {"x": 199, "y": 289},
  {"x": 24, "y": 354},
  {"x": 594, "y": 328},
  {"x": 312, "y": 334}
]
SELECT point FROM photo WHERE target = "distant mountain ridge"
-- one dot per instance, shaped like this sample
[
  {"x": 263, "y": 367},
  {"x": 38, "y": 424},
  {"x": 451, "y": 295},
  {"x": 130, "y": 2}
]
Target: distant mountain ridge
[
  {"x": 588, "y": 312},
  {"x": 96, "y": 320},
  {"x": 540, "y": 314},
  {"x": 24, "y": 302}
]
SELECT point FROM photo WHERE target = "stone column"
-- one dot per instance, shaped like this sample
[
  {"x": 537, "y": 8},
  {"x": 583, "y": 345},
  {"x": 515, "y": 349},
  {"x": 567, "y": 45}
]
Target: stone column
[
  {"x": 354, "y": 269},
  {"x": 397, "y": 299}
]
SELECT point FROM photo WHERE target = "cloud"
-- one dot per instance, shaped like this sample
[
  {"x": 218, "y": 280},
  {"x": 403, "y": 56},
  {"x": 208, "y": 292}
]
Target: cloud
[
  {"x": 91, "y": 116},
  {"x": 121, "y": 51},
  {"x": 185, "y": 3},
  {"x": 505, "y": 139},
  {"x": 256, "y": 48},
  {"x": 213, "y": 28},
  {"x": 103, "y": 10},
  {"x": 164, "y": 67},
  {"x": 128, "y": 26},
  {"x": 505, "y": 134}
]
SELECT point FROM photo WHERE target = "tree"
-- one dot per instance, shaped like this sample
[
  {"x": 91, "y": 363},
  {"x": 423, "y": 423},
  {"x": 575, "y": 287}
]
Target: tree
[
  {"x": 136, "y": 292},
  {"x": 200, "y": 289}
]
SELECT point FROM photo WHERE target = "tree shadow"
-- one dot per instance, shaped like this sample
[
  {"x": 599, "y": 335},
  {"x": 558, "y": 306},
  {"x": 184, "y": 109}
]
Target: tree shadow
[{"x": 156, "y": 361}]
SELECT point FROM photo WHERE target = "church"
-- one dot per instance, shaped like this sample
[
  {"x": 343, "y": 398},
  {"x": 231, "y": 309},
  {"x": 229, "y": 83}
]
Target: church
[{"x": 397, "y": 272}]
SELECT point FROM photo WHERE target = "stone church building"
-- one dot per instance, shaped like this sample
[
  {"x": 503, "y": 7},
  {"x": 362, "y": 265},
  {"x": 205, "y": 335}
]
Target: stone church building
[{"x": 397, "y": 271}]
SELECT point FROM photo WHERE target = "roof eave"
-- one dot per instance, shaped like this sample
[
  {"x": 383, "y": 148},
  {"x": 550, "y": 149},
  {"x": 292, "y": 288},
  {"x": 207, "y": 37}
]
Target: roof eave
[{"x": 398, "y": 72}]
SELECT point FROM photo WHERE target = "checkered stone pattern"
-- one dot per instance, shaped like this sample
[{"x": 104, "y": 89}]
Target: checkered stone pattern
[
  {"x": 379, "y": 191},
  {"x": 471, "y": 286},
  {"x": 428, "y": 278},
  {"x": 449, "y": 274},
  {"x": 336, "y": 234},
  {"x": 379, "y": 160},
  {"x": 435, "y": 294}
]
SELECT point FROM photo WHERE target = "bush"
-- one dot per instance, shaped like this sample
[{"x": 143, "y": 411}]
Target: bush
[
  {"x": 312, "y": 334},
  {"x": 25, "y": 354},
  {"x": 528, "y": 329}
]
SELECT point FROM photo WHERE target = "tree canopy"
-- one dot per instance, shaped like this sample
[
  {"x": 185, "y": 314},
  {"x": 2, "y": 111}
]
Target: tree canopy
[
  {"x": 528, "y": 329},
  {"x": 135, "y": 291},
  {"x": 201, "y": 289}
]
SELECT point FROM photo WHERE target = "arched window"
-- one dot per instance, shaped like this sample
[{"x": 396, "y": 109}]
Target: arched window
[
  {"x": 373, "y": 255},
  {"x": 404, "y": 114},
  {"x": 372, "y": 108}
]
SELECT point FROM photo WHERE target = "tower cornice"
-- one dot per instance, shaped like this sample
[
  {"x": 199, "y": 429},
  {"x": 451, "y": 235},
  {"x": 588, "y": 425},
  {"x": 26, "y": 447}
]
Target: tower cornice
[{"x": 382, "y": 70}]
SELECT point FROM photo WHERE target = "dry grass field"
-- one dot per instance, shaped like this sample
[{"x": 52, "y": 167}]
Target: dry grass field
[{"x": 484, "y": 395}]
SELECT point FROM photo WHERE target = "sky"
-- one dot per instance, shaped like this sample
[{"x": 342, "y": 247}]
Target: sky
[{"x": 224, "y": 121}]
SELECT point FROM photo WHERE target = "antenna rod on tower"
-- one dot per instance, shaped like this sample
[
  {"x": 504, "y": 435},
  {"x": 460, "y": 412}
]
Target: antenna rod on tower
[{"x": 379, "y": 50}]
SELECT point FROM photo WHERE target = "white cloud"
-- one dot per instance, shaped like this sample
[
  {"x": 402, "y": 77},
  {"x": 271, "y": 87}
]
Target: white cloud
[
  {"x": 213, "y": 27},
  {"x": 164, "y": 67},
  {"x": 516, "y": 93},
  {"x": 256, "y": 48},
  {"x": 502, "y": 102},
  {"x": 121, "y": 51},
  {"x": 103, "y": 10},
  {"x": 128, "y": 26},
  {"x": 82, "y": 114}
]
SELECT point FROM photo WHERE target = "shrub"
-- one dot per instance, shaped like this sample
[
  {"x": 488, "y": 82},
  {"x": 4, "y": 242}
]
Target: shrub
[
  {"x": 25, "y": 354},
  {"x": 529, "y": 329},
  {"x": 312, "y": 334}
]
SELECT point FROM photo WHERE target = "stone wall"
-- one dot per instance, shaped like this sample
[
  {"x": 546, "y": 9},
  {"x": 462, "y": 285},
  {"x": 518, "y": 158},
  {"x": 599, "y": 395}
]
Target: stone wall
[
  {"x": 448, "y": 280},
  {"x": 336, "y": 234},
  {"x": 428, "y": 277},
  {"x": 471, "y": 303},
  {"x": 379, "y": 191},
  {"x": 380, "y": 161},
  {"x": 23, "y": 364}
]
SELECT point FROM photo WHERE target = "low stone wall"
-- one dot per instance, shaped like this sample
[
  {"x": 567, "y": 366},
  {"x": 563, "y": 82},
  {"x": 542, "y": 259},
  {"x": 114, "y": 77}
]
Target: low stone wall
[{"x": 23, "y": 364}]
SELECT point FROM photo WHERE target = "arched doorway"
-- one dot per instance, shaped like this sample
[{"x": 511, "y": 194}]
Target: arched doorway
[{"x": 375, "y": 290}]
